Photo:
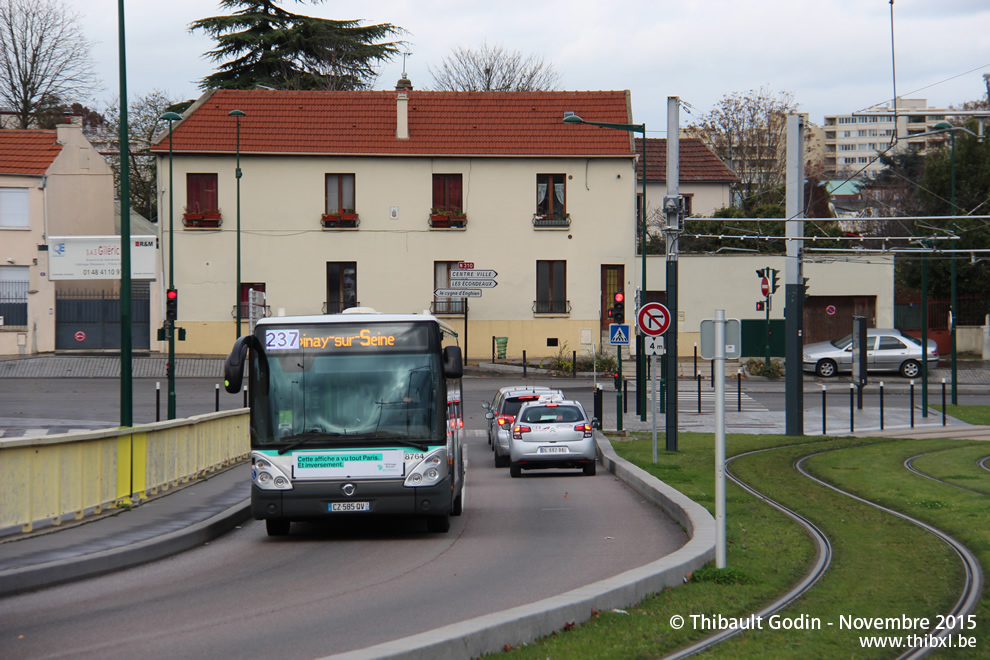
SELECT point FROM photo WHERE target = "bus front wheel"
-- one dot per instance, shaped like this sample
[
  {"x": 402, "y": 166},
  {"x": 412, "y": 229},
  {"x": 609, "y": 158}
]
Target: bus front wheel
[{"x": 277, "y": 527}]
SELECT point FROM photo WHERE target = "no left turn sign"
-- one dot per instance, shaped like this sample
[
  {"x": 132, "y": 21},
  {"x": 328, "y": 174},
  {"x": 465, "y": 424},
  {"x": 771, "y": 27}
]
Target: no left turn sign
[{"x": 653, "y": 319}]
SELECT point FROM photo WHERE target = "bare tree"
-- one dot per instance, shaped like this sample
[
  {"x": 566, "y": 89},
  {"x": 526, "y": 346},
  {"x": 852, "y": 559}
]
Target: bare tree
[
  {"x": 493, "y": 69},
  {"x": 44, "y": 57},
  {"x": 144, "y": 121},
  {"x": 748, "y": 131}
]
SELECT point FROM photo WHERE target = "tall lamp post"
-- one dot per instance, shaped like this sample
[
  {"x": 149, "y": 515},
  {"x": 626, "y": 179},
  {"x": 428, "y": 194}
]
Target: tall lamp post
[
  {"x": 640, "y": 357},
  {"x": 953, "y": 310},
  {"x": 237, "y": 114},
  {"x": 169, "y": 324}
]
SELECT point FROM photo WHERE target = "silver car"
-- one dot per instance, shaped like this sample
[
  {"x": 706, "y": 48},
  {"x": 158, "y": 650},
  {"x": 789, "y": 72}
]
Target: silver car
[
  {"x": 502, "y": 413},
  {"x": 886, "y": 350},
  {"x": 552, "y": 433}
]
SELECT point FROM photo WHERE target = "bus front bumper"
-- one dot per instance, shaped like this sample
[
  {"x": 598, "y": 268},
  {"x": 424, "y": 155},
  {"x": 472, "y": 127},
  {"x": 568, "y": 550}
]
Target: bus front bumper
[{"x": 315, "y": 500}]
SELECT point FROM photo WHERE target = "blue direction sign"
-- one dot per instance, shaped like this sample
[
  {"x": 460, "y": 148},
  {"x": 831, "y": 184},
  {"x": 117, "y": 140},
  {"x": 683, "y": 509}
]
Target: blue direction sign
[{"x": 618, "y": 334}]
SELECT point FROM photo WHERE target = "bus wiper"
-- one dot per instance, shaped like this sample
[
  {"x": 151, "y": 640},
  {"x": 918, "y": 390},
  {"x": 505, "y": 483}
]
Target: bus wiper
[{"x": 303, "y": 438}]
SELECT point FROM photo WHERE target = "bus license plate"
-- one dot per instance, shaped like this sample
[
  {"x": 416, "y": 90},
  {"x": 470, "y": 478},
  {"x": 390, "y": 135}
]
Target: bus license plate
[
  {"x": 337, "y": 507},
  {"x": 552, "y": 450}
]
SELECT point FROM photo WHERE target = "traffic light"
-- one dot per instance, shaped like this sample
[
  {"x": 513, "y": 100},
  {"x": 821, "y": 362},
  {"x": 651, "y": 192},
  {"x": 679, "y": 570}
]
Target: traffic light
[
  {"x": 617, "y": 380},
  {"x": 760, "y": 305},
  {"x": 804, "y": 287},
  {"x": 619, "y": 308},
  {"x": 171, "y": 304},
  {"x": 773, "y": 272},
  {"x": 761, "y": 272}
]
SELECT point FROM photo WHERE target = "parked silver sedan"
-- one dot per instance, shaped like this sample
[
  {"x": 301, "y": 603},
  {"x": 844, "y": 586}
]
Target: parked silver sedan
[
  {"x": 552, "y": 433},
  {"x": 886, "y": 350}
]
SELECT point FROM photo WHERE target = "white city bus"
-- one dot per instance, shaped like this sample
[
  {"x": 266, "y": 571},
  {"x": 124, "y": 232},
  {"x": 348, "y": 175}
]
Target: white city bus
[{"x": 352, "y": 415}]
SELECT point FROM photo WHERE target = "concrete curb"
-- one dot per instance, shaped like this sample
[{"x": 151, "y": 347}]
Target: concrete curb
[
  {"x": 523, "y": 624},
  {"x": 49, "y": 574}
]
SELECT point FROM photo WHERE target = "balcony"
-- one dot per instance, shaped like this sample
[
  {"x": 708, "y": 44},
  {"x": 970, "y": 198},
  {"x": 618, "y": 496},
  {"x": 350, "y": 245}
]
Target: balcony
[
  {"x": 447, "y": 220},
  {"x": 556, "y": 221},
  {"x": 337, "y": 307},
  {"x": 552, "y": 307},
  {"x": 447, "y": 307},
  {"x": 202, "y": 220},
  {"x": 342, "y": 220}
]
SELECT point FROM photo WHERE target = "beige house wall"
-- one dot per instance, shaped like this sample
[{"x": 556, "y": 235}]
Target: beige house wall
[
  {"x": 707, "y": 197},
  {"x": 284, "y": 246},
  {"x": 74, "y": 197},
  {"x": 729, "y": 282}
]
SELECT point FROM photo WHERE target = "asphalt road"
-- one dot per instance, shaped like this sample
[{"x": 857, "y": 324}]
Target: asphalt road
[{"x": 328, "y": 589}]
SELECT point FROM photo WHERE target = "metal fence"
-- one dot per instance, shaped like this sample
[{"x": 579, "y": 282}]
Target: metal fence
[{"x": 13, "y": 303}]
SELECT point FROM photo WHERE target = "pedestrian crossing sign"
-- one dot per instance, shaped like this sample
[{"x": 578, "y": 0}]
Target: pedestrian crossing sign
[{"x": 618, "y": 334}]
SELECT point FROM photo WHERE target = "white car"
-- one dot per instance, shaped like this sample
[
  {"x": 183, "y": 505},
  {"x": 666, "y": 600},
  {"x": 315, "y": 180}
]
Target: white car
[
  {"x": 552, "y": 433},
  {"x": 886, "y": 350}
]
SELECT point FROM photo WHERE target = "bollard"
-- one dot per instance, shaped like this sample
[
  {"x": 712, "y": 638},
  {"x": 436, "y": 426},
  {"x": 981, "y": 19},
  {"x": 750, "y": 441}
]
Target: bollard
[
  {"x": 625, "y": 395},
  {"x": 493, "y": 349},
  {"x": 245, "y": 396},
  {"x": 852, "y": 408},
  {"x": 696, "y": 357},
  {"x": 158, "y": 401},
  {"x": 599, "y": 406},
  {"x": 524, "y": 364},
  {"x": 573, "y": 364},
  {"x": 912, "y": 404},
  {"x": 738, "y": 390},
  {"x": 712, "y": 363},
  {"x": 943, "y": 402},
  {"x": 824, "y": 409},
  {"x": 217, "y": 408},
  {"x": 881, "y": 405},
  {"x": 699, "y": 392}
]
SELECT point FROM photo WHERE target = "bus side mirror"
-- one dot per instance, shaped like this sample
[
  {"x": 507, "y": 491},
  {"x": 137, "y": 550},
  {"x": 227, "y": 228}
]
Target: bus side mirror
[
  {"x": 233, "y": 367},
  {"x": 453, "y": 366}
]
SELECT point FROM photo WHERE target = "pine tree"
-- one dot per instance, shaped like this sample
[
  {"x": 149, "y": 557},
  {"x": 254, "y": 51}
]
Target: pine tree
[{"x": 262, "y": 44}]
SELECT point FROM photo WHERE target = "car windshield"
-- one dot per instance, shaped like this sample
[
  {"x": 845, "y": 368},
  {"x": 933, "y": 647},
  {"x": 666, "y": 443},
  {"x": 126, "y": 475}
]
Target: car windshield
[
  {"x": 843, "y": 342},
  {"x": 552, "y": 413}
]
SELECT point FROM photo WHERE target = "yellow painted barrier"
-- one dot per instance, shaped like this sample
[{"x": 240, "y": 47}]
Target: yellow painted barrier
[{"x": 49, "y": 479}]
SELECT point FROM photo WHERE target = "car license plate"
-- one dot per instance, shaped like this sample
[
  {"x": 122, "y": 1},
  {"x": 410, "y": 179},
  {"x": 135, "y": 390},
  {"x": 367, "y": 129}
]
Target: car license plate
[
  {"x": 337, "y": 507},
  {"x": 551, "y": 450}
]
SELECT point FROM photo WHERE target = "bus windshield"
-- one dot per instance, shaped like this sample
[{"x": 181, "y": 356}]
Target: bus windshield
[{"x": 322, "y": 396}]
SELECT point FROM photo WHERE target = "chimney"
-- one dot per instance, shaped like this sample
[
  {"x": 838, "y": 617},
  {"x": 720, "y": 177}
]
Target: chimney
[{"x": 402, "y": 108}]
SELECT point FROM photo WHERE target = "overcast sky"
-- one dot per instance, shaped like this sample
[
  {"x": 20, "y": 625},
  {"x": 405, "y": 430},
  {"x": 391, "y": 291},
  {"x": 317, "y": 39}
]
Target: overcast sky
[{"x": 833, "y": 55}]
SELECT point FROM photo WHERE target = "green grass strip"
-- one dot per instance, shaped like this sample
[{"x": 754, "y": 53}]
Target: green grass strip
[{"x": 882, "y": 566}]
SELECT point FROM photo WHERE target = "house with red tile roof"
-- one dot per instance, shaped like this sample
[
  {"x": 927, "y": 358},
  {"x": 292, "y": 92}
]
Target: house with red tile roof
[
  {"x": 52, "y": 183},
  {"x": 373, "y": 198},
  {"x": 704, "y": 182},
  {"x": 376, "y": 199}
]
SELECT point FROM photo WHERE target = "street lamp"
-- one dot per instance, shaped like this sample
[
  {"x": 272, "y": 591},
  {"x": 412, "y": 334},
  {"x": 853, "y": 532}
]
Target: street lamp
[
  {"x": 953, "y": 312},
  {"x": 170, "y": 325},
  {"x": 237, "y": 114},
  {"x": 640, "y": 357}
]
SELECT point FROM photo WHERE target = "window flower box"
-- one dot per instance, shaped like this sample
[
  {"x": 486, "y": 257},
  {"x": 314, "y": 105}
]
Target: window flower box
[
  {"x": 202, "y": 219},
  {"x": 447, "y": 219}
]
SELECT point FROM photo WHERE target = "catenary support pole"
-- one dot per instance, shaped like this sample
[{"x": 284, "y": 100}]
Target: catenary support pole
[{"x": 794, "y": 280}]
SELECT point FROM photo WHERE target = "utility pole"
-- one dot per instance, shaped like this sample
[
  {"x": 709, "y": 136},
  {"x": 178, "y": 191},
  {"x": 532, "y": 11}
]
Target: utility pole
[
  {"x": 672, "y": 206},
  {"x": 794, "y": 280}
]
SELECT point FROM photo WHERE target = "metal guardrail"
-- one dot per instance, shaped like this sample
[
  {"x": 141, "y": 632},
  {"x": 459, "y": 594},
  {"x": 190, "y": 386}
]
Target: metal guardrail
[{"x": 51, "y": 479}]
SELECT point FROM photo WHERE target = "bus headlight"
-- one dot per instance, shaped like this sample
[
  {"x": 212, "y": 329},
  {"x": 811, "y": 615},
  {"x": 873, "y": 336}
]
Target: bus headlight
[
  {"x": 430, "y": 471},
  {"x": 267, "y": 476}
]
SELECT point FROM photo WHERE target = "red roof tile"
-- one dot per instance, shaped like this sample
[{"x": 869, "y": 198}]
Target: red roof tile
[
  {"x": 27, "y": 152},
  {"x": 697, "y": 162},
  {"x": 440, "y": 123}
]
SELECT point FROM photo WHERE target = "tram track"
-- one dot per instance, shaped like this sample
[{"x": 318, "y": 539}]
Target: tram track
[
  {"x": 909, "y": 464},
  {"x": 966, "y": 604}
]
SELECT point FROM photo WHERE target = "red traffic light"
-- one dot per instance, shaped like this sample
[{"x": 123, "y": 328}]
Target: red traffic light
[
  {"x": 619, "y": 297},
  {"x": 172, "y": 294}
]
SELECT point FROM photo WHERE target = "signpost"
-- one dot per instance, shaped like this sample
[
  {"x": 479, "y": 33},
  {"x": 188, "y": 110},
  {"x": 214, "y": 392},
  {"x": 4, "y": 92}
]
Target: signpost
[
  {"x": 467, "y": 282},
  {"x": 653, "y": 319}
]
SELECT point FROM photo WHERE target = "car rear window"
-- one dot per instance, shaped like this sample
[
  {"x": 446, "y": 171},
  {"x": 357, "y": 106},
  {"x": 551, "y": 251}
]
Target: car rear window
[
  {"x": 513, "y": 404},
  {"x": 550, "y": 414}
]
